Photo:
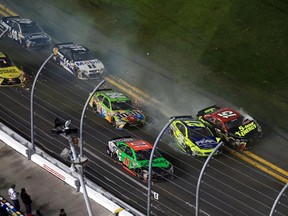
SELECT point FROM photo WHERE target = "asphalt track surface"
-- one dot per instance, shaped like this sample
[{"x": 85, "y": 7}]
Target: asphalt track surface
[{"x": 230, "y": 185}]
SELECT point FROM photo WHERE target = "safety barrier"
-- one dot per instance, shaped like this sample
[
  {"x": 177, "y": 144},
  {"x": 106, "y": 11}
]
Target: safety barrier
[{"x": 64, "y": 173}]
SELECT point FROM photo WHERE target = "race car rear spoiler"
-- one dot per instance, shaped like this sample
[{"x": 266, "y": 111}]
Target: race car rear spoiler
[
  {"x": 10, "y": 18},
  {"x": 183, "y": 117},
  {"x": 104, "y": 89},
  {"x": 207, "y": 110},
  {"x": 119, "y": 139},
  {"x": 64, "y": 44}
]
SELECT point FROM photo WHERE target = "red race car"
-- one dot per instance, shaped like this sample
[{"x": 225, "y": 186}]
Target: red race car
[{"x": 236, "y": 128}]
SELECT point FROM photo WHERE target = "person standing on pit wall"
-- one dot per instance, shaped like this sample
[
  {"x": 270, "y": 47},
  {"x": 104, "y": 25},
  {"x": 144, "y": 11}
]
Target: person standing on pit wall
[
  {"x": 62, "y": 212},
  {"x": 26, "y": 199},
  {"x": 14, "y": 196}
]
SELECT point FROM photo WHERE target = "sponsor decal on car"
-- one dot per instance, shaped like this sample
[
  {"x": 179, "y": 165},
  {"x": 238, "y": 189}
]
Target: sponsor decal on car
[{"x": 246, "y": 129}]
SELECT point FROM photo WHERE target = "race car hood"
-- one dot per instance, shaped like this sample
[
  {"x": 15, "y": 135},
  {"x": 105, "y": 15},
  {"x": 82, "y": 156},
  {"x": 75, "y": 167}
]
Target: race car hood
[
  {"x": 36, "y": 36},
  {"x": 129, "y": 115},
  {"x": 205, "y": 143},
  {"x": 247, "y": 130},
  {"x": 89, "y": 65},
  {"x": 10, "y": 72}
]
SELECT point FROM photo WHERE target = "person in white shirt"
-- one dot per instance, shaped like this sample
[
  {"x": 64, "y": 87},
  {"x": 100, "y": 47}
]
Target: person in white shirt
[{"x": 14, "y": 196}]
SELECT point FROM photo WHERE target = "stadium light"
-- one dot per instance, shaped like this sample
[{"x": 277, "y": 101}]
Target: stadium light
[{"x": 30, "y": 150}]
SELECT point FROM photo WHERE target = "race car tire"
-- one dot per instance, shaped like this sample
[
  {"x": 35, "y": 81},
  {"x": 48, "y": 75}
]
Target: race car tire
[
  {"x": 113, "y": 122},
  {"x": 56, "y": 59},
  {"x": 94, "y": 107},
  {"x": 144, "y": 175},
  {"x": 188, "y": 150},
  {"x": 171, "y": 177},
  {"x": 111, "y": 154}
]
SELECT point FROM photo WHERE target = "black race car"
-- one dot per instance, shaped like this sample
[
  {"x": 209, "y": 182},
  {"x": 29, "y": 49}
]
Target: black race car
[{"x": 24, "y": 31}]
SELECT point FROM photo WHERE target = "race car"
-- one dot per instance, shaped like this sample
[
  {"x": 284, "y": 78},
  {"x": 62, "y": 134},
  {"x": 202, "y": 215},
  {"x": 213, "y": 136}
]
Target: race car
[
  {"x": 116, "y": 108},
  {"x": 134, "y": 155},
  {"x": 24, "y": 31},
  {"x": 10, "y": 75},
  {"x": 236, "y": 128},
  {"x": 193, "y": 136},
  {"x": 78, "y": 60}
]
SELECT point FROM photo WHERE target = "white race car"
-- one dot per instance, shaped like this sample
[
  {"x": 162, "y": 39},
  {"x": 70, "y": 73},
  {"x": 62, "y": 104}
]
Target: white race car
[{"x": 78, "y": 60}]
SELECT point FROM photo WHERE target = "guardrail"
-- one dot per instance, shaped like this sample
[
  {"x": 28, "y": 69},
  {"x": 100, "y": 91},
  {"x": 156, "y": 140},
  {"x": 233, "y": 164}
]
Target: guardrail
[{"x": 64, "y": 173}]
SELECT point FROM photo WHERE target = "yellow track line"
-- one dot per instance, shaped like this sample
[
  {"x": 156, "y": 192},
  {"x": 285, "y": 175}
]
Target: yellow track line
[
  {"x": 10, "y": 12},
  {"x": 127, "y": 91},
  {"x": 258, "y": 165},
  {"x": 143, "y": 94},
  {"x": 136, "y": 97},
  {"x": 4, "y": 14},
  {"x": 278, "y": 169}
]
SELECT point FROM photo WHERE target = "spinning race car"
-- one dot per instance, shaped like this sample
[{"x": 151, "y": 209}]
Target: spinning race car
[
  {"x": 134, "y": 155},
  {"x": 24, "y": 31},
  {"x": 193, "y": 136},
  {"x": 10, "y": 75},
  {"x": 117, "y": 109},
  {"x": 236, "y": 128},
  {"x": 78, "y": 60}
]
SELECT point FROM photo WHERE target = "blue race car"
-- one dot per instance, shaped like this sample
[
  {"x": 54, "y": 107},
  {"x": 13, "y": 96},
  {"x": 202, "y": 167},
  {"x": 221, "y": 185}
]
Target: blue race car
[{"x": 24, "y": 31}]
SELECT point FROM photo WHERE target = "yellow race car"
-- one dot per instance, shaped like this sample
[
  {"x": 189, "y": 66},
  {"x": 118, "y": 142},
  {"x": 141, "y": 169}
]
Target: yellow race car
[
  {"x": 10, "y": 75},
  {"x": 193, "y": 136}
]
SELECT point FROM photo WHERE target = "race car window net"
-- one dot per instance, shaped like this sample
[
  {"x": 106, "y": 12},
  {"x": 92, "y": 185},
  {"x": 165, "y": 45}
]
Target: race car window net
[
  {"x": 82, "y": 56},
  {"x": 121, "y": 105},
  {"x": 106, "y": 103},
  {"x": 199, "y": 133},
  {"x": 145, "y": 154},
  {"x": 128, "y": 151},
  {"x": 235, "y": 123},
  {"x": 30, "y": 28}
]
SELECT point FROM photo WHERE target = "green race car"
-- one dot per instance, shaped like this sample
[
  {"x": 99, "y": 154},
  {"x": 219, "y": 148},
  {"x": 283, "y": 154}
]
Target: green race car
[
  {"x": 134, "y": 154},
  {"x": 193, "y": 136},
  {"x": 116, "y": 108}
]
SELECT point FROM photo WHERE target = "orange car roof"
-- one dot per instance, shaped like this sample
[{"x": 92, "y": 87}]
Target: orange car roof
[{"x": 139, "y": 145}]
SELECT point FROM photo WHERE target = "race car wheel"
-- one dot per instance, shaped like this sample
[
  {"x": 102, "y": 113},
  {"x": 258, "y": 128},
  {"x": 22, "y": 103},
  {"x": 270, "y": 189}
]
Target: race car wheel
[
  {"x": 144, "y": 175},
  {"x": 94, "y": 107},
  {"x": 188, "y": 150},
  {"x": 113, "y": 122},
  {"x": 171, "y": 177},
  {"x": 56, "y": 59},
  {"x": 111, "y": 154}
]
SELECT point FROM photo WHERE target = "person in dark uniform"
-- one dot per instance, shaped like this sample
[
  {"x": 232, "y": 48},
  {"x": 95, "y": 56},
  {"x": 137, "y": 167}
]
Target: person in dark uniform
[{"x": 26, "y": 200}]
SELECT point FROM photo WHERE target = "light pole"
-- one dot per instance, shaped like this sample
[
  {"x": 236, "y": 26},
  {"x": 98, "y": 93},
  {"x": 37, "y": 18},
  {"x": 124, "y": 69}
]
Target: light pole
[
  {"x": 201, "y": 176},
  {"x": 63, "y": 128},
  {"x": 31, "y": 151},
  {"x": 83, "y": 113},
  {"x": 277, "y": 199},
  {"x": 150, "y": 165},
  {"x": 81, "y": 173}
]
